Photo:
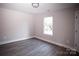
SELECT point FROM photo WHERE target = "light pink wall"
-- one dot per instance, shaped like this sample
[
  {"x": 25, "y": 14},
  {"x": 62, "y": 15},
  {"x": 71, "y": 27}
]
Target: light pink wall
[
  {"x": 15, "y": 25},
  {"x": 63, "y": 27}
]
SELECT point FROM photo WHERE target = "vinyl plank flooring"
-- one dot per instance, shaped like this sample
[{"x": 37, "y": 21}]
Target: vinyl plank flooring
[{"x": 33, "y": 47}]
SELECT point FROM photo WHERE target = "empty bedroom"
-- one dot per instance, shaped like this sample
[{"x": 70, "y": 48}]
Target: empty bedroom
[{"x": 39, "y": 29}]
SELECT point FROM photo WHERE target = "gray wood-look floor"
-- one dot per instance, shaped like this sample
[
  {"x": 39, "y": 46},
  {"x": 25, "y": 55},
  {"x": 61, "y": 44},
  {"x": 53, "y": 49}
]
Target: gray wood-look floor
[{"x": 33, "y": 47}]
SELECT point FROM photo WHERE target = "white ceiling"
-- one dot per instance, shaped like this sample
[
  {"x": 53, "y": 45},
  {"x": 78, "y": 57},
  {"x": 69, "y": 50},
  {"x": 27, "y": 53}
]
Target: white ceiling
[{"x": 27, "y": 7}]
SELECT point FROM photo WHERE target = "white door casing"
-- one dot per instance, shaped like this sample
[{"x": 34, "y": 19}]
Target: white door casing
[{"x": 76, "y": 30}]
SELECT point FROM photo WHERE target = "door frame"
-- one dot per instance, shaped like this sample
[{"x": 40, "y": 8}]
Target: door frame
[{"x": 75, "y": 41}]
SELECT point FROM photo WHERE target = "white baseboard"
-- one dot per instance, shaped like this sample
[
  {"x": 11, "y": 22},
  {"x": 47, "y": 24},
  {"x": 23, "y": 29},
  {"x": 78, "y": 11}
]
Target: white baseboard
[
  {"x": 62, "y": 45},
  {"x": 15, "y": 40},
  {"x": 40, "y": 39}
]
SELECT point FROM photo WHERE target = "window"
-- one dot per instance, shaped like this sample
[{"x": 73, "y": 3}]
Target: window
[{"x": 48, "y": 26}]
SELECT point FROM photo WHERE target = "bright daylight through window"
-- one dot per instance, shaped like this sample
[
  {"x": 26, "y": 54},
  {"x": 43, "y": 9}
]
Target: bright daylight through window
[{"x": 48, "y": 25}]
